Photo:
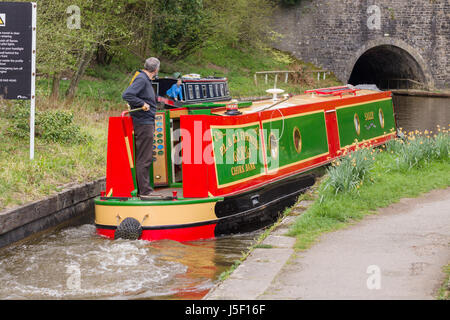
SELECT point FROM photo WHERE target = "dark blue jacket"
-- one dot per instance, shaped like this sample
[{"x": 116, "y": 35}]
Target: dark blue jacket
[{"x": 138, "y": 93}]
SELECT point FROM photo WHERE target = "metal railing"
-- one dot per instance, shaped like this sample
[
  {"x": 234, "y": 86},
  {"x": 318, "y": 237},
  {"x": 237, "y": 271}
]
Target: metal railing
[
  {"x": 402, "y": 84},
  {"x": 321, "y": 74}
]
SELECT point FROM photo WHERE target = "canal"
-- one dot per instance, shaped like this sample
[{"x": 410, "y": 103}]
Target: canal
[{"x": 75, "y": 263}]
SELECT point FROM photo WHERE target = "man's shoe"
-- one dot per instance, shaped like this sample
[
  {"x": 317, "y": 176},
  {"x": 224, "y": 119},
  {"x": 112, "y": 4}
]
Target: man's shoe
[{"x": 151, "y": 196}]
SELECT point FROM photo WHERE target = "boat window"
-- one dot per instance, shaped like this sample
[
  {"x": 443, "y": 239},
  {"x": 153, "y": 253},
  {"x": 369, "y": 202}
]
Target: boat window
[
  {"x": 227, "y": 92},
  {"x": 191, "y": 92},
  {"x": 273, "y": 146},
  {"x": 211, "y": 93},
  {"x": 357, "y": 124},
  {"x": 381, "y": 118},
  {"x": 216, "y": 89},
  {"x": 297, "y": 140},
  {"x": 222, "y": 91},
  {"x": 155, "y": 88},
  {"x": 197, "y": 91},
  {"x": 205, "y": 93}
]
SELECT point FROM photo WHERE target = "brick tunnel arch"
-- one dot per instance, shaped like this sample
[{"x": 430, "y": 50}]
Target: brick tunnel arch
[{"x": 379, "y": 62}]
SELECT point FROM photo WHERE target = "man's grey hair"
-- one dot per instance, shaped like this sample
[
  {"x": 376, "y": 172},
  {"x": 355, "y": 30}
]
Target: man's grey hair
[{"x": 151, "y": 64}]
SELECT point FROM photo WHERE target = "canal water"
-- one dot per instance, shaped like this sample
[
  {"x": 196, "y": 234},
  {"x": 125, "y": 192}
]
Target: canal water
[
  {"x": 76, "y": 263},
  {"x": 421, "y": 113}
]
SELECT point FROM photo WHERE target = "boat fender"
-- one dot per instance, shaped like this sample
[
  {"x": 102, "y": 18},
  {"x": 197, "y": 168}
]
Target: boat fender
[{"x": 129, "y": 229}]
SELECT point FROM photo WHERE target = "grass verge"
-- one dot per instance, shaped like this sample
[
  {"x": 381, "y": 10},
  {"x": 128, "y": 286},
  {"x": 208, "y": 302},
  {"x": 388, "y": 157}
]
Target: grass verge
[
  {"x": 385, "y": 183},
  {"x": 444, "y": 291},
  {"x": 56, "y": 164}
]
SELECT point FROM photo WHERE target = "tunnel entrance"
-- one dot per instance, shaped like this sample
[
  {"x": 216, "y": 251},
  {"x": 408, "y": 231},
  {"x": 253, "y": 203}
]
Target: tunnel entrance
[{"x": 389, "y": 67}]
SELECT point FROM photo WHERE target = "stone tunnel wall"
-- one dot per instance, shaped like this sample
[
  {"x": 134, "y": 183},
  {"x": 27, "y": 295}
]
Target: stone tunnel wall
[{"x": 334, "y": 34}]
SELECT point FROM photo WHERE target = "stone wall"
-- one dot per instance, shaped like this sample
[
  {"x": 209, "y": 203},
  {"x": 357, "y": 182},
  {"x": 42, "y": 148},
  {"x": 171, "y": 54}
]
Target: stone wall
[
  {"x": 335, "y": 34},
  {"x": 24, "y": 221}
]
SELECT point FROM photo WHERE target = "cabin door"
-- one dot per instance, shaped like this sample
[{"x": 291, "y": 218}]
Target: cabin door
[{"x": 176, "y": 150}]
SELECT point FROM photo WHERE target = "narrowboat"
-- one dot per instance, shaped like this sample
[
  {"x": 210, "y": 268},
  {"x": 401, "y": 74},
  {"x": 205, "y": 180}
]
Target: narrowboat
[{"x": 230, "y": 168}]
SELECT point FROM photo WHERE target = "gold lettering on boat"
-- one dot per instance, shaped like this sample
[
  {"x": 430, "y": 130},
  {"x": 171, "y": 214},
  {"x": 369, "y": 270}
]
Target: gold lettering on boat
[
  {"x": 243, "y": 168},
  {"x": 368, "y": 115}
]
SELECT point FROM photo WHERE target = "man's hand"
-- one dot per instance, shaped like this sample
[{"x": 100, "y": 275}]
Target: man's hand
[{"x": 145, "y": 107}]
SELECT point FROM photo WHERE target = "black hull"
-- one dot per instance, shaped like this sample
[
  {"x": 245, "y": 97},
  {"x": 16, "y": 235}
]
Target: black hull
[{"x": 259, "y": 208}]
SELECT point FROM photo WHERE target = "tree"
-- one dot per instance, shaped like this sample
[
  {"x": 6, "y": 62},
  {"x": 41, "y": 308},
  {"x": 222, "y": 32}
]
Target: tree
[
  {"x": 52, "y": 45},
  {"x": 103, "y": 24},
  {"x": 240, "y": 22},
  {"x": 179, "y": 27}
]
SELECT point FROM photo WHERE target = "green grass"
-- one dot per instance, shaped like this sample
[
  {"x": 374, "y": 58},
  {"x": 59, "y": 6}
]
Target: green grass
[
  {"x": 55, "y": 164},
  {"x": 105, "y": 84},
  {"x": 240, "y": 66},
  {"x": 99, "y": 95},
  {"x": 385, "y": 184},
  {"x": 444, "y": 291}
]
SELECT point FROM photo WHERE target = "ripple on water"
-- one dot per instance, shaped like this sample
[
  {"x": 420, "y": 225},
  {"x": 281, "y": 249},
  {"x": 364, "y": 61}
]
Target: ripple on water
[{"x": 76, "y": 263}]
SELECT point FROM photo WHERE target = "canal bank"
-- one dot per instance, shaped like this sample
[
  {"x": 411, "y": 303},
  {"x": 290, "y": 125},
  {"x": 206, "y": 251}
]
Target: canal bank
[
  {"x": 74, "y": 201},
  {"x": 421, "y": 93},
  {"x": 397, "y": 253}
]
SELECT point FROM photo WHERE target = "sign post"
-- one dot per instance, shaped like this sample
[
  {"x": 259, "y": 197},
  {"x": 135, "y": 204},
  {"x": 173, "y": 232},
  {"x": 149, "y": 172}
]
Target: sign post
[{"x": 18, "y": 55}]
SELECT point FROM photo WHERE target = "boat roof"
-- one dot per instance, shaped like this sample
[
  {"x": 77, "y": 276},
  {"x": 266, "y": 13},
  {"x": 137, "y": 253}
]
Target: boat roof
[{"x": 309, "y": 97}]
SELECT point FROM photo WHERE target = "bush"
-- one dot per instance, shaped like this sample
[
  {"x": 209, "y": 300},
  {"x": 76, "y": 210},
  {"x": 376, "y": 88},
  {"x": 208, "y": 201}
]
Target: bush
[
  {"x": 349, "y": 172},
  {"x": 51, "y": 126},
  {"x": 417, "y": 149}
]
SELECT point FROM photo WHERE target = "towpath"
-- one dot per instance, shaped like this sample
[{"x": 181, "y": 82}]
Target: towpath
[{"x": 396, "y": 254}]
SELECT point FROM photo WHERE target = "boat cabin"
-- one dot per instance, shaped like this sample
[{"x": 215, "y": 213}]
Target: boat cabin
[
  {"x": 286, "y": 136},
  {"x": 195, "y": 90}
]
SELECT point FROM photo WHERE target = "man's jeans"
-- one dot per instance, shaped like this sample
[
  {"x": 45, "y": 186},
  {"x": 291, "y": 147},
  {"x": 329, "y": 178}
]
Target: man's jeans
[{"x": 143, "y": 135}]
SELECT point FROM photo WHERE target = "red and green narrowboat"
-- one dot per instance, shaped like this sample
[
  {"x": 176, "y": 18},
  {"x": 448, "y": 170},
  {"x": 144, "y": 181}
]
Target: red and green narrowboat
[{"x": 231, "y": 169}]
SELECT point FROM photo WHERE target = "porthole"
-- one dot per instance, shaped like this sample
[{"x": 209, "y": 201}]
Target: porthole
[
  {"x": 381, "y": 117},
  {"x": 273, "y": 146},
  {"x": 357, "y": 124},
  {"x": 297, "y": 140}
]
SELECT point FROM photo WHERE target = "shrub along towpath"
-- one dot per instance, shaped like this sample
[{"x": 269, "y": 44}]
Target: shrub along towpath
[{"x": 396, "y": 254}]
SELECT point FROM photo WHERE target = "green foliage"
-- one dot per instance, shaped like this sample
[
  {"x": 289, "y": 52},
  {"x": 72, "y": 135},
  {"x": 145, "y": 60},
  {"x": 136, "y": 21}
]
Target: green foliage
[
  {"x": 50, "y": 126},
  {"x": 240, "y": 23},
  {"x": 289, "y": 2},
  {"x": 332, "y": 210},
  {"x": 349, "y": 172},
  {"x": 179, "y": 27},
  {"x": 418, "y": 149}
]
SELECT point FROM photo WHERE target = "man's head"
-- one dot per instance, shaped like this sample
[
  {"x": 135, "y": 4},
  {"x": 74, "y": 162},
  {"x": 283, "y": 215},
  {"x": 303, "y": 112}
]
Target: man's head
[{"x": 152, "y": 65}]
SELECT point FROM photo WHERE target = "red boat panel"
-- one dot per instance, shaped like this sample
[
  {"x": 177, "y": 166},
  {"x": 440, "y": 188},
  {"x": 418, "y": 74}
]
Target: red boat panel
[
  {"x": 119, "y": 179},
  {"x": 177, "y": 234}
]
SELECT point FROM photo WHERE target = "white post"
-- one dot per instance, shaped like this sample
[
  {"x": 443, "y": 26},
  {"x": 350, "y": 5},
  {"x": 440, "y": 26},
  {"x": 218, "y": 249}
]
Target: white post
[{"x": 33, "y": 78}]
